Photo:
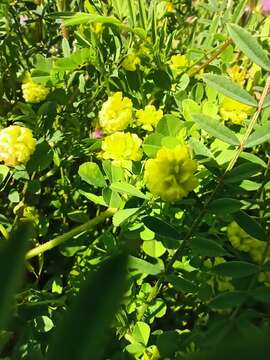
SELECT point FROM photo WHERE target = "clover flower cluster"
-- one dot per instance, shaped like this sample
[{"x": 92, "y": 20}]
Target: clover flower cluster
[
  {"x": 234, "y": 111},
  {"x": 115, "y": 116},
  {"x": 170, "y": 174},
  {"x": 33, "y": 92},
  {"x": 17, "y": 144},
  {"x": 131, "y": 62}
]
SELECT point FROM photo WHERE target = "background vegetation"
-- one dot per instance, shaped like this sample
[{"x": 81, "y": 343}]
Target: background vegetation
[{"x": 100, "y": 256}]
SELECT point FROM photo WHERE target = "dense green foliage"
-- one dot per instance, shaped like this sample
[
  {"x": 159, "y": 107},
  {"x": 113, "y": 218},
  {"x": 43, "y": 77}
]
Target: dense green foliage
[{"x": 134, "y": 216}]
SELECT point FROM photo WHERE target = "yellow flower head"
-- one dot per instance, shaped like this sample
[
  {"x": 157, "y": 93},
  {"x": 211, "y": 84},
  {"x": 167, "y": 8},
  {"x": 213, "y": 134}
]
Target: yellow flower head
[
  {"x": 240, "y": 240},
  {"x": 237, "y": 74},
  {"x": 131, "y": 62},
  {"x": 97, "y": 27},
  {"x": 234, "y": 111},
  {"x": 169, "y": 6},
  {"x": 170, "y": 174},
  {"x": 16, "y": 145},
  {"x": 33, "y": 92},
  {"x": 151, "y": 353},
  {"x": 116, "y": 113},
  {"x": 179, "y": 62},
  {"x": 122, "y": 148},
  {"x": 149, "y": 117}
]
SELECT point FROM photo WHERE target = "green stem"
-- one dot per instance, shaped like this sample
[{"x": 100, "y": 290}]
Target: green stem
[{"x": 70, "y": 234}]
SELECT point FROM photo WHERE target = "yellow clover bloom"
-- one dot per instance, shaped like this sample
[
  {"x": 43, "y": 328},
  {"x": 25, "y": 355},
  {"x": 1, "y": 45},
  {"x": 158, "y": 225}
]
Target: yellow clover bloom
[
  {"x": 170, "y": 174},
  {"x": 169, "y": 6},
  {"x": 237, "y": 74},
  {"x": 116, "y": 113},
  {"x": 234, "y": 111},
  {"x": 33, "y": 92},
  {"x": 149, "y": 117},
  {"x": 130, "y": 62},
  {"x": 97, "y": 27},
  {"x": 122, "y": 148},
  {"x": 178, "y": 63},
  {"x": 16, "y": 145}
]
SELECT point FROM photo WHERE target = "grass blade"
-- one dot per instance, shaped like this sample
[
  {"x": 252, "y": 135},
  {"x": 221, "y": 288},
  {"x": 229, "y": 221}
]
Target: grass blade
[
  {"x": 83, "y": 332},
  {"x": 12, "y": 254}
]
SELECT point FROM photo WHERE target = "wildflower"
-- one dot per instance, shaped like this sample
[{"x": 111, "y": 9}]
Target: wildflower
[
  {"x": 266, "y": 5},
  {"x": 97, "y": 27},
  {"x": 170, "y": 174},
  {"x": 23, "y": 20},
  {"x": 122, "y": 148},
  {"x": 169, "y": 7},
  {"x": 131, "y": 62},
  {"x": 116, "y": 113},
  {"x": 149, "y": 117},
  {"x": 234, "y": 111},
  {"x": 33, "y": 92},
  {"x": 97, "y": 134},
  {"x": 237, "y": 74},
  {"x": 178, "y": 63},
  {"x": 16, "y": 145},
  {"x": 151, "y": 353},
  {"x": 240, "y": 240}
]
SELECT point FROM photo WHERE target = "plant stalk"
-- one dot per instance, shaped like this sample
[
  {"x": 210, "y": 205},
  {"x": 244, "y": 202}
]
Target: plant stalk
[{"x": 70, "y": 234}]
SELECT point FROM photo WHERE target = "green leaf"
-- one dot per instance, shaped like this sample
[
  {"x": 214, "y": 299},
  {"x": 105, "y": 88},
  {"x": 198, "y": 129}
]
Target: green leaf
[
  {"x": 215, "y": 128},
  {"x": 88, "y": 321},
  {"x": 141, "y": 332},
  {"x": 249, "y": 45},
  {"x": 123, "y": 215},
  {"x": 169, "y": 125},
  {"x": 75, "y": 60},
  {"x": 94, "y": 198},
  {"x": 112, "y": 198},
  {"x": 181, "y": 284},
  {"x": 4, "y": 170},
  {"x": 162, "y": 79},
  {"x": 125, "y": 188},
  {"x": 189, "y": 106},
  {"x": 161, "y": 227},
  {"x": 229, "y": 88},
  {"x": 228, "y": 300},
  {"x": 200, "y": 149},
  {"x": 261, "y": 293},
  {"x": 12, "y": 257},
  {"x": 259, "y": 136},
  {"x": 41, "y": 158},
  {"x": 152, "y": 144},
  {"x": 235, "y": 269},
  {"x": 204, "y": 247},
  {"x": 90, "y": 173},
  {"x": 135, "y": 349},
  {"x": 250, "y": 225},
  {"x": 242, "y": 172},
  {"x": 225, "y": 206},
  {"x": 153, "y": 248},
  {"x": 145, "y": 267},
  {"x": 83, "y": 18}
]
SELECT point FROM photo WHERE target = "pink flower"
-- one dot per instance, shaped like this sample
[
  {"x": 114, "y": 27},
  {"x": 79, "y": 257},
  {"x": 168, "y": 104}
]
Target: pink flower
[
  {"x": 97, "y": 134},
  {"x": 266, "y": 5},
  {"x": 23, "y": 20}
]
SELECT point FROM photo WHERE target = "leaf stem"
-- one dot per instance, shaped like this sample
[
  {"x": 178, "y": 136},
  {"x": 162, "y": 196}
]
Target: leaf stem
[{"x": 70, "y": 234}]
